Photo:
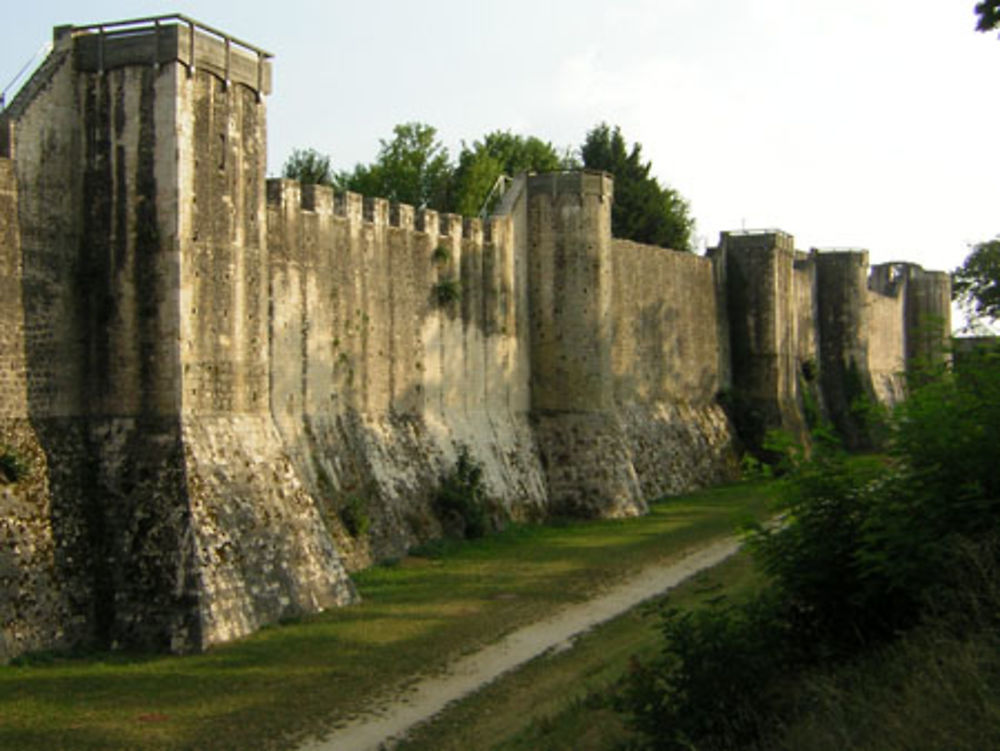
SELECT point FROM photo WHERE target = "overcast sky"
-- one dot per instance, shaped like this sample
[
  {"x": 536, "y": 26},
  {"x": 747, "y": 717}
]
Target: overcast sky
[{"x": 848, "y": 123}]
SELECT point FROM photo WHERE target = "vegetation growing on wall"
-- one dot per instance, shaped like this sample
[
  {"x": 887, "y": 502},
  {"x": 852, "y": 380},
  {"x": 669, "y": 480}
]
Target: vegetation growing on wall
[
  {"x": 13, "y": 467},
  {"x": 447, "y": 291},
  {"x": 461, "y": 502}
]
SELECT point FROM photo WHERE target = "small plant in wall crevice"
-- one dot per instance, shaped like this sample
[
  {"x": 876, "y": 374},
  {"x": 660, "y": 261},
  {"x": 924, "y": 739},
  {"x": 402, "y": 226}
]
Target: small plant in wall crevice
[
  {"x": 460, "y": 502},
  {"x": 447, "y": 291},
  {"x": 441, "y": 255},
  {"x": 13, "y": 467}
]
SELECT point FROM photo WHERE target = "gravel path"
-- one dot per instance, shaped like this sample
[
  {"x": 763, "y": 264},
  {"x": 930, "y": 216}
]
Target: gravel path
[{"x": 387, "y": 722}]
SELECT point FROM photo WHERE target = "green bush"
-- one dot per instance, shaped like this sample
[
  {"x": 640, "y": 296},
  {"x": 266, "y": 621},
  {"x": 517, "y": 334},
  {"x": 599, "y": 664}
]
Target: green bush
[
  {"x": 864, "y": 553},
  {"x": 13, "y": 467},
  {"x": 441, "y": 255},
  {"x": 711, "y": 687},
  {"x": 354, "y": 516},
  {"x": 461, "y": 501},
  {"x": 447, "y": 291}
]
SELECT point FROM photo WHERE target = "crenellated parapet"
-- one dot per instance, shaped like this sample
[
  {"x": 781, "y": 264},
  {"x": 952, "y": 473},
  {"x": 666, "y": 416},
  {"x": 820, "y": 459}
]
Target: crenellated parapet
[{"x": 233, "y": 389}]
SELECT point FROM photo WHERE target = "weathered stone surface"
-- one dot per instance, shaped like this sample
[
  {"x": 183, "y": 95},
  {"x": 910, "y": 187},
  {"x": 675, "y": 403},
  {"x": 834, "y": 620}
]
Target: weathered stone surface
[{"x": 226, "y": 391}]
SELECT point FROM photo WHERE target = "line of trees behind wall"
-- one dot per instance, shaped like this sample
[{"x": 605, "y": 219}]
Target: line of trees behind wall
[{"x": 414, "y": 167}]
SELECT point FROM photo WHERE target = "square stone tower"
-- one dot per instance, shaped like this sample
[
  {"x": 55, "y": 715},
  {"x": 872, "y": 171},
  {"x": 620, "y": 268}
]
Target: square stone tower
[{"x": 139, "y": 149}]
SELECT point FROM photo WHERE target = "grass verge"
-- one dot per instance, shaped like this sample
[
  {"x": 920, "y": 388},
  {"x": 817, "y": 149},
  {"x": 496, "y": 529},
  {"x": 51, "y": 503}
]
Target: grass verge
[
  {"x": 561, "y": 701},
  {"x": 300, "y": 678}
]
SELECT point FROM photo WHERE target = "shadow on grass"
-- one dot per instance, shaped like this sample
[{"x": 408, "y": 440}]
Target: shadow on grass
[{"x": 301, "y": 675}]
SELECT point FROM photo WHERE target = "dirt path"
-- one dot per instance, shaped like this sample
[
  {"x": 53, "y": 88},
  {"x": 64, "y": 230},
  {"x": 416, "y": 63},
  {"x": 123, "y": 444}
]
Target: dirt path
[{"x": 389, "y": 721}]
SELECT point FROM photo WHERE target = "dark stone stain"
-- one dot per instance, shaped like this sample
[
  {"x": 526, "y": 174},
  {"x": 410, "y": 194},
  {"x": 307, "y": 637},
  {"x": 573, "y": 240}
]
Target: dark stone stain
[
  {"x": 95, "y": 299},
  {"x": 147, "y": 241}
]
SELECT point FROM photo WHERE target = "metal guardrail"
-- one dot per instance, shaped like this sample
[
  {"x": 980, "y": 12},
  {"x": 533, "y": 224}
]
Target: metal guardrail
[
  {"x": 21, "y": 75},
  {"x": 135, "y": 26},
  {"x": 841, "y": 249},
  {"x": 500, "y": 186},
  {"x": 751, "y": 232}
]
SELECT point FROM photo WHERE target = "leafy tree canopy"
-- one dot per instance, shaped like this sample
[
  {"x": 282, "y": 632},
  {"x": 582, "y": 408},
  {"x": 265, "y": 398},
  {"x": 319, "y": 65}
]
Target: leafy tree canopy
[
  {"x": 976, "y": 283},
  {"x": 308, "y": 166},
  {"x": 643, "y": 210},
  {"x": 414, "y": 167},
  {"x": 499, "y": 153},
  {"x": 411, "y": 168},
  {"x": 989, "y": 15}
]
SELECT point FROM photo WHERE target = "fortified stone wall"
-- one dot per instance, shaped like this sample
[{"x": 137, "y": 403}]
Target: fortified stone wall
[
  {"x": 887, "y": 293},
  {"x": 763, "y": 310},
  {"x": 173, "y": 505},
  {"x": 806, "y": 326},
  {"x": 35, "y": 607},
  {"x": 813, "y": 335},
  {"x": 581, "y": 436},
  {"x": 396, "y": 341},
  {"x": 259, "y": 546},
  {"x": 218, "y": 389},
  {"x": 667, "y": 361},
  {"x": 927, "y": 317}
]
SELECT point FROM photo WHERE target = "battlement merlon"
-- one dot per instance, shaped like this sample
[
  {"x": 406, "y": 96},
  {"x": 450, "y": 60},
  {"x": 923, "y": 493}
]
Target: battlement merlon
[
  {"x": 286, "y": 194},
  {"x": 159, "y": 40}
]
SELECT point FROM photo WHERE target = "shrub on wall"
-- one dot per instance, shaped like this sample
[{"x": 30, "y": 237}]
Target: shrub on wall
[
  {"x": 447, "y": 291},
  {"x": 13, "y": 467},
  {"x": 461, "y": 502}
]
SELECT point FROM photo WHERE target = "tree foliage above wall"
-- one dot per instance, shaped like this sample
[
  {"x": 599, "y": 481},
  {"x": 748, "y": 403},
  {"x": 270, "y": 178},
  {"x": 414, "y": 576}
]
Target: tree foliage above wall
[
  {"x": 309, "y": 167},
  {"x": 643, "y": 210},
  {"x": 989, "y": 15},
  {"x": 414, "y": 167},
  {"x": 976, "y": 283},
  {"x": 500, "y": 153}
]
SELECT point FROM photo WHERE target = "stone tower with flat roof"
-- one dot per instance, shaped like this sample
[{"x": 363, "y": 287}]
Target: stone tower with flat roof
[{"x": 140, "y": 154}]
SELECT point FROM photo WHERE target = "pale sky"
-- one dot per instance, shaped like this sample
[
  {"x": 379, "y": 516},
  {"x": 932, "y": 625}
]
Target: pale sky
[{"x": 848, "y": 123}]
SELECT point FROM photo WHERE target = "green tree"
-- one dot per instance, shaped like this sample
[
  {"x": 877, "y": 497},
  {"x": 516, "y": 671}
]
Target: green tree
[
  {"x": 643, "y": 210},
  {"x": 308, "y": 166},
  {"x": 989, "y": 15},
  {"x": 499, "y": 153},
  {"x": 976, "y": 283},
  {"x": 411, "y": 168}
]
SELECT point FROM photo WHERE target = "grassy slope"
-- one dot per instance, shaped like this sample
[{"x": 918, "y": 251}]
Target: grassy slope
[{"x": 265, "y": 690}]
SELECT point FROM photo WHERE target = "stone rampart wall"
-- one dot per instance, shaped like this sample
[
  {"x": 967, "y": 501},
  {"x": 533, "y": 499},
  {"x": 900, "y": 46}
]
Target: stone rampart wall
[
  {"x": 395, "y": 342},
  {"x": 887, "y": 344},
  {"x": 173, "y": 514},
  {"x": 220, "y": 389},
  {"x": 36, "y": 610},
  {"x": 667, "y": 357}
]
